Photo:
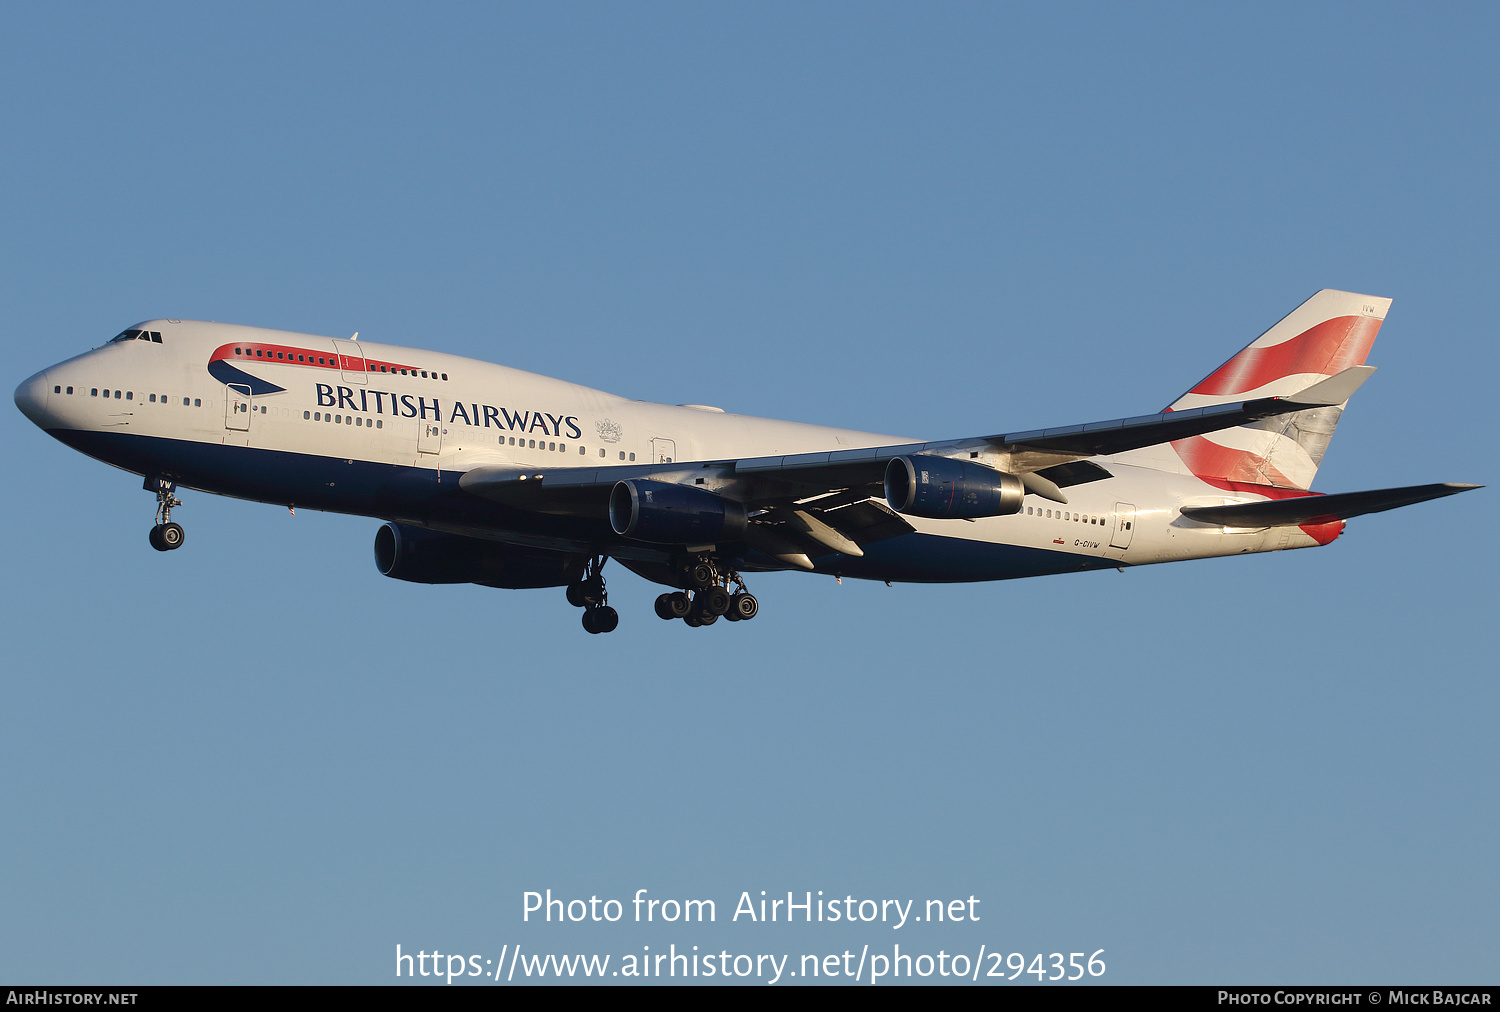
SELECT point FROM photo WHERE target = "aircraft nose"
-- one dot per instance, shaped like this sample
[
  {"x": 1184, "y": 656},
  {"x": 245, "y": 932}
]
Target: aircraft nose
[{"x": 31, "y": 398}]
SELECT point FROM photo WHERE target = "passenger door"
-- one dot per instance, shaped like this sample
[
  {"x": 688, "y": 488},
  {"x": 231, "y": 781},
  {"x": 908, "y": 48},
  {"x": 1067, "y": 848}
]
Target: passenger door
[
  {"x": 1124, "y": 525},
  {"x": 429, "y": 436},
  {"x": 237, "y": 407},
  {"x": 351, "y": 361},
  {"x": 663, "y": 451}
]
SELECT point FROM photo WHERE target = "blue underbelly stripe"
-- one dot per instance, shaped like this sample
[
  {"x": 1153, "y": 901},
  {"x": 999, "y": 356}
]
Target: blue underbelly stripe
[{"x": 406, "y": 492}]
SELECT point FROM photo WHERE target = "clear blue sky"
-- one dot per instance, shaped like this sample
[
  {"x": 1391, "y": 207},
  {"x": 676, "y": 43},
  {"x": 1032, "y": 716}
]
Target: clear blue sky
[{"x": 256, "y": 760}]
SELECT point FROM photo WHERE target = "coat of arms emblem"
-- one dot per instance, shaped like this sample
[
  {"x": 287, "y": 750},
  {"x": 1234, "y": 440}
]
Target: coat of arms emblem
[{"x": 609, "y": 431}]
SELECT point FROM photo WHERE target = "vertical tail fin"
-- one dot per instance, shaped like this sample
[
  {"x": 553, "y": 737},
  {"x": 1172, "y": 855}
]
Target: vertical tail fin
[{"x": 1326, "y": 334}]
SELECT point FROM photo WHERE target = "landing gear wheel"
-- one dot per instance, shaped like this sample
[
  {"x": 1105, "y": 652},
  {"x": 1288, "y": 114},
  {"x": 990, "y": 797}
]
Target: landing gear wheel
[
  {"x": 714, "y": 601},
  {"x": 670, "y": 606},
  {"x": 716, "y": 591},
  {"x": 600, "y": 620},
  {"x": 702, "y": 576},
  {"x": 742, "y": 608},
  {"x": 166, "y": 535},
  {"x": 171, "y": 536},
  {"x": 589, "y": 594}
]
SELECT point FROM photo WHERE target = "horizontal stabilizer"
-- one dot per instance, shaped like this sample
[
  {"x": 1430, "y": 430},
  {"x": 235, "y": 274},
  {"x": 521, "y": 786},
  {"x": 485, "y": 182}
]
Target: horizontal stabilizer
[
  {"x": 1319, "y": 509},
  {"x": 1335, "y": 389}
]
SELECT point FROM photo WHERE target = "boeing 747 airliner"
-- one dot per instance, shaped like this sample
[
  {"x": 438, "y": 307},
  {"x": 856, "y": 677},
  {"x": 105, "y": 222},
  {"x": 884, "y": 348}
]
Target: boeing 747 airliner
[{"x": 489, "y": 475}]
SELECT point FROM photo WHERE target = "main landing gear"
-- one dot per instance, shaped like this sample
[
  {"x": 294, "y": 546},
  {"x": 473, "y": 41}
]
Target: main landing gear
[
  {"x": 590, "y": 595},
  {"x": 711, "y": 597},
  {"x": 166, "y": 535}
]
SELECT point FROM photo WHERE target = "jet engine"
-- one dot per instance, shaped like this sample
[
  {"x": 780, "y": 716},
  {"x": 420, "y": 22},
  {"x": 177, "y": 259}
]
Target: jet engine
[
  {"x": 410, "y": 553},
  {"x": 671, "y": 514},
  {"x": 941, "y": 488}
]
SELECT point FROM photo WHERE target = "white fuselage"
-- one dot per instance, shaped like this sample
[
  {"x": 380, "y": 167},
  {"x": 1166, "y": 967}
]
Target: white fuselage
[{"x": 386, "y": 431}]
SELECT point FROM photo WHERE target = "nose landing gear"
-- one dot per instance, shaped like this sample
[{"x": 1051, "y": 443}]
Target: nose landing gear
[
  {"x": 166, "y": 535},
  {"x": 590, "y": 595}
]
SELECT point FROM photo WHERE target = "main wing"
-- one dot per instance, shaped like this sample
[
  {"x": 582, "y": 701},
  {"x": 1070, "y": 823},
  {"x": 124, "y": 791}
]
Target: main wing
[{"x": 810, "y": 503}]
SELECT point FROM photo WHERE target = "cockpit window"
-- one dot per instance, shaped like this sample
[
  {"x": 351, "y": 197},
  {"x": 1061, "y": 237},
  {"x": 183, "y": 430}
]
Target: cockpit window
[{"x": 137, "y": 335}]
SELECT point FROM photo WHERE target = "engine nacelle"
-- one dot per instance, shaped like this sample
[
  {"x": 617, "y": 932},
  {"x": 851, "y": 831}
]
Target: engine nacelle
[
  {"x": 422, "y": 556},
  {"x": 941, "y": 488},
  {"x": 671, "y": 514}
]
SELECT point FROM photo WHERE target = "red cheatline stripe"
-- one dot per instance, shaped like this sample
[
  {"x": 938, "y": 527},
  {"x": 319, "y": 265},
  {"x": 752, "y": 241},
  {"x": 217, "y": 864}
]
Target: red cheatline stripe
[{"x": 268, "y": 352}]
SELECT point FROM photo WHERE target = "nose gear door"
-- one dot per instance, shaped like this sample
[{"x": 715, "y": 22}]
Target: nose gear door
[{"x": 237, "y": 406}]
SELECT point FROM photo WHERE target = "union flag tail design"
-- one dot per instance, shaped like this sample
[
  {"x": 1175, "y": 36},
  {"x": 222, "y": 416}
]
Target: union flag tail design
[{"x": 1326, "y": 334}]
